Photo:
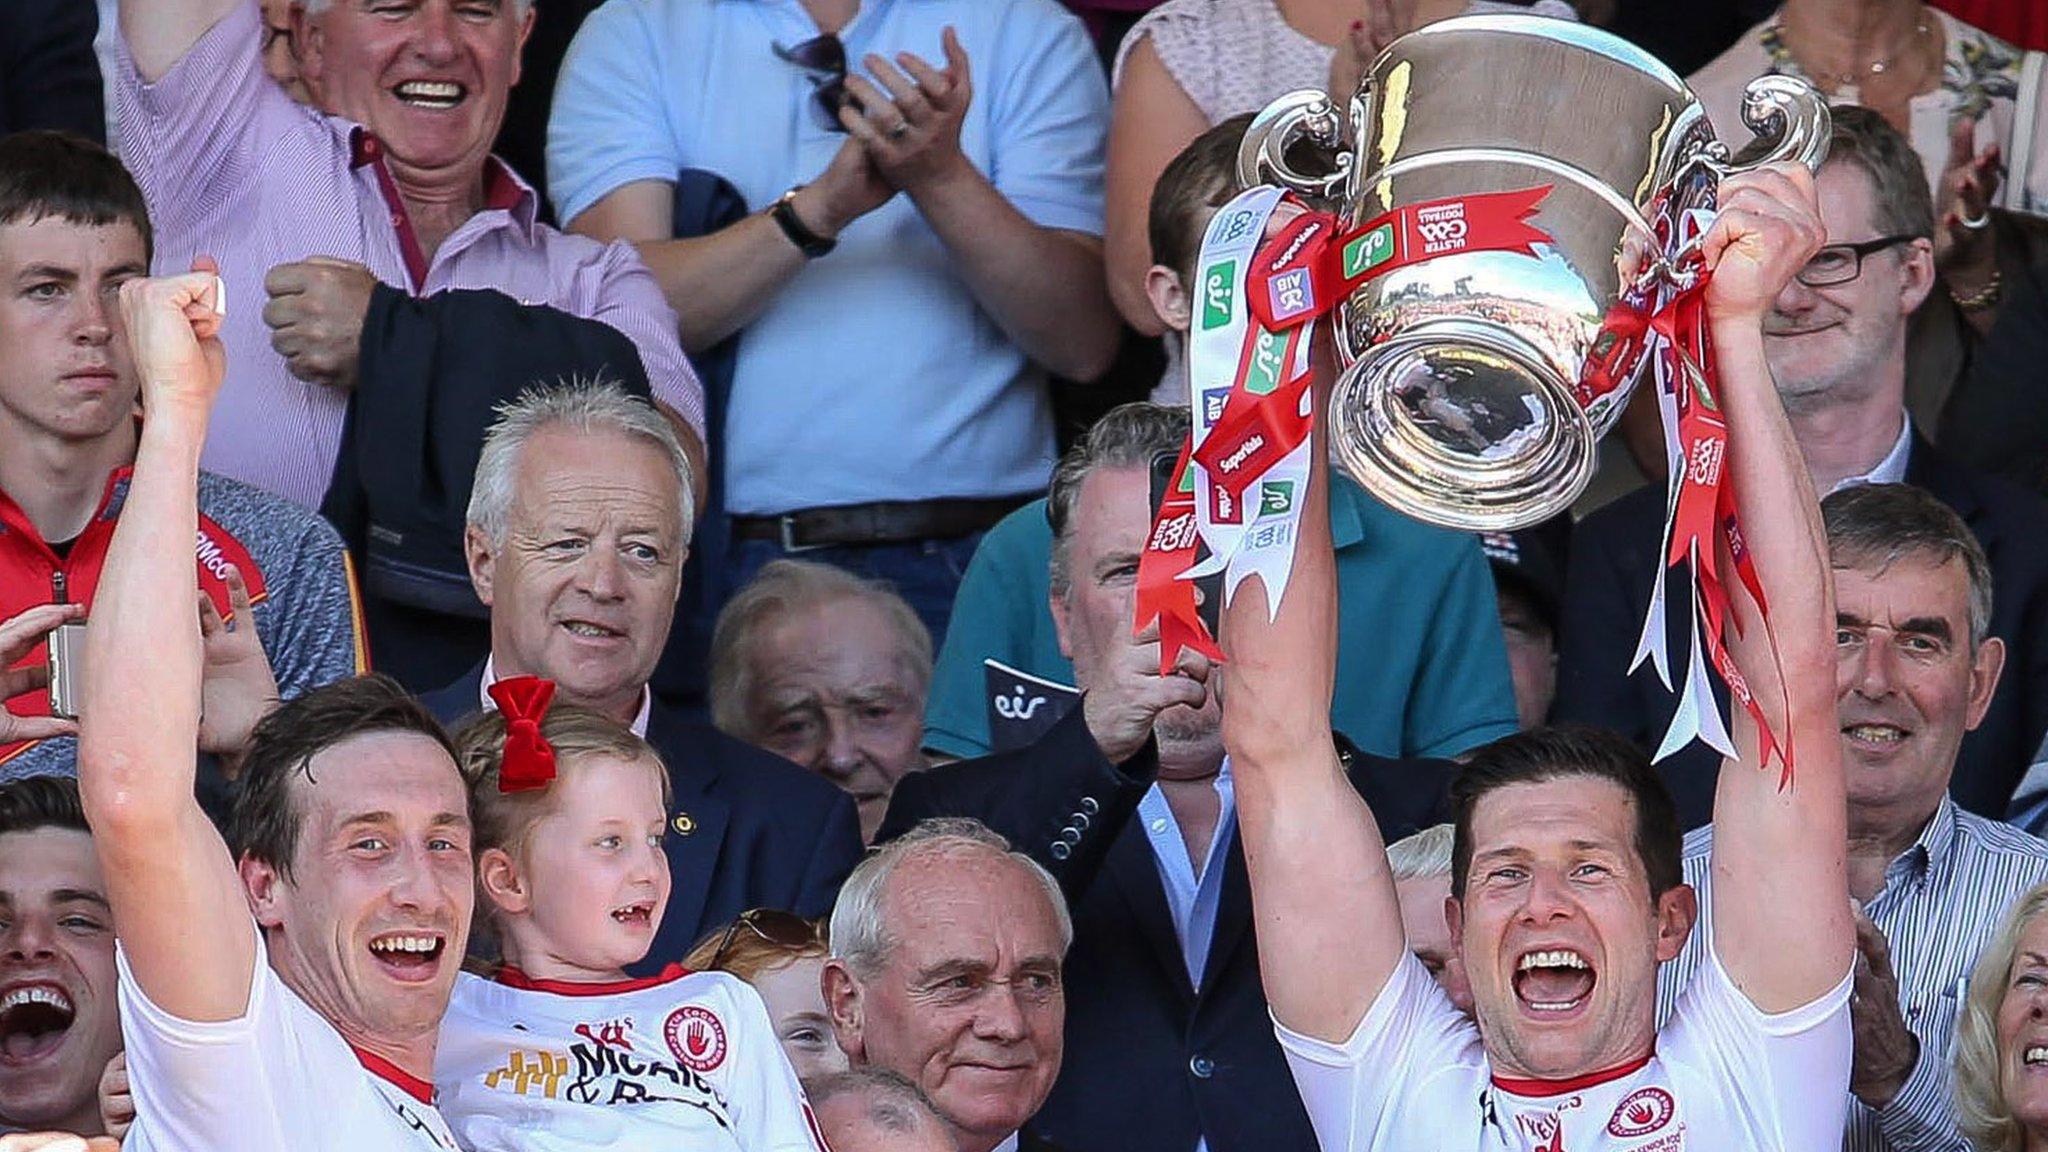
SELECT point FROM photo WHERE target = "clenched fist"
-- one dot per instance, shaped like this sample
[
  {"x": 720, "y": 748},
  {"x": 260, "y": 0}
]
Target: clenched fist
[
  {"x": 173, "y": 326},
  {"x": 315, "y": 313}
]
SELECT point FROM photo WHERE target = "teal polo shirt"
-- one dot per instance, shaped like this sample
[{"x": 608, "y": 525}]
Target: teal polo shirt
[{"x": 1421, "y": 667}]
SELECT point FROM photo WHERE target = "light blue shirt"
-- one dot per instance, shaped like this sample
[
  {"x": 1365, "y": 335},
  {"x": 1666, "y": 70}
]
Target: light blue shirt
[
  {"x": 873, "y": 375},
  {"x": 1191, "y": 899}
]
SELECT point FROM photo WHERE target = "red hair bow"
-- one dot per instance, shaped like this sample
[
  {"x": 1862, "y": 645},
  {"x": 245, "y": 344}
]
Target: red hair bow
[{"x": 529, "y": 760}]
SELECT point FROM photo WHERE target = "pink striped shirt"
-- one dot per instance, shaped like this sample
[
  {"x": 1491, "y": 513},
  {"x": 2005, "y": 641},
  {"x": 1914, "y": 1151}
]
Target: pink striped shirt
[{"x": 232, "y": 167}]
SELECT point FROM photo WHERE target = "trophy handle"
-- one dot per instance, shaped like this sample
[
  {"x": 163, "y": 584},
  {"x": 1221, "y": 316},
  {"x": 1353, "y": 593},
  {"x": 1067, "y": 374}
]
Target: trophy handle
[
  {"x": 1789, "y": 113},
  {"x": 1302, "y": 114}
]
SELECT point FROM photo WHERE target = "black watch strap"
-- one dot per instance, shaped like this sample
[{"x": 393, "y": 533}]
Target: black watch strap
[{"x": 808, "y": 242}]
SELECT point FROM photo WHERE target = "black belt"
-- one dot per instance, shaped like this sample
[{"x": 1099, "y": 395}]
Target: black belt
[{"x": 888, "y": 522}]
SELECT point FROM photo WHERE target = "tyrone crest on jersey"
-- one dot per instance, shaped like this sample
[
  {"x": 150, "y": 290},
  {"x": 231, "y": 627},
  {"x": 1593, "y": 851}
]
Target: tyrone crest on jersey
[
  {"x": 1641, "y": 1112},
  {"x": 696, "y": 1037}
]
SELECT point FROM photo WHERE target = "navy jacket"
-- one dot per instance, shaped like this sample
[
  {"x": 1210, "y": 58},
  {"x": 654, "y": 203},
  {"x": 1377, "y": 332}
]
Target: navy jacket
[
  {"x": 1151, "y": 1062},
  {"x": 750, "y": 829},
  {"x": 1614, "y": 555}
]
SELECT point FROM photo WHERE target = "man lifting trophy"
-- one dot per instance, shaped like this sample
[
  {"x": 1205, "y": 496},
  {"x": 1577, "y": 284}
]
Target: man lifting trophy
[{"x": 1523, "y": 219}]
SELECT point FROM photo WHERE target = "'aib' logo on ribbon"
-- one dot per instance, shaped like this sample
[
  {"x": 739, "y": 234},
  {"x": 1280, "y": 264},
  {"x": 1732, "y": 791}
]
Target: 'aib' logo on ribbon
[
  {"x": 1369, "y": 251},
  {"x": 1218, "y": 287}
]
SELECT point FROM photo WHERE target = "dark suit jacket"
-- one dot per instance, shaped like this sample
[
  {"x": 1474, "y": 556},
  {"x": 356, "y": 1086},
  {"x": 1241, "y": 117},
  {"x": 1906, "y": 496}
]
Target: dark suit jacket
[
  {"x": 750, "y": 830},
  {"x": 1151, "y": 1062},
  {"x": 1614, "y": 556}
]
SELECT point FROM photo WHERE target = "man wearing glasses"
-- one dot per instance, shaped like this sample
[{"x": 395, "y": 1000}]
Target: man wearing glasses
[
  {"x": 1836, "y": 339},
  {"x": 925, "y": 183}
]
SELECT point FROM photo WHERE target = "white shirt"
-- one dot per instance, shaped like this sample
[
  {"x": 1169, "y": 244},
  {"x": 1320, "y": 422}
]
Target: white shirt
[
  {"x": 276, "y": 1077},
  {"x": 680, "y": 1060},
  {"x": 1414, "y": 1076},
  {"x": 491, "y": 677}
]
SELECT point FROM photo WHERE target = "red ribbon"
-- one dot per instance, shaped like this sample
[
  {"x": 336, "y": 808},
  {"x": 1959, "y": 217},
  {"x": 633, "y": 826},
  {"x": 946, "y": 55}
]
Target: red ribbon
[
  {"x": 1310, "y": 266},
  {"x": 529, "y": 760},
  {"x": 1704, "y": 515},
  {"x": 1162, "y": 595}
]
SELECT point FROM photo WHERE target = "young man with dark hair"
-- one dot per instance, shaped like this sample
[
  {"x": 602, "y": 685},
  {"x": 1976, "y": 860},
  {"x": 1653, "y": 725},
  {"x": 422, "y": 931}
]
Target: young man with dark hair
[
  {"x": 1565, "y": 906},
  {"x": 289, "y": 997},
  {"x": 58, "y": 1023},
  {"x": 73, "y": 229}
]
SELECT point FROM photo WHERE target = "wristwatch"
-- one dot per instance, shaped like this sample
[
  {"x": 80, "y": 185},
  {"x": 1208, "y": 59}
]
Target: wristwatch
[{"x": 808, "y": 242}]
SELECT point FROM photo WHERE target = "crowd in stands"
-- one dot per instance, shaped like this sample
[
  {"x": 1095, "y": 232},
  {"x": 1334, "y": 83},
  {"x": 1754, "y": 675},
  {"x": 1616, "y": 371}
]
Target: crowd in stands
[{"x": 568, "y": 578}]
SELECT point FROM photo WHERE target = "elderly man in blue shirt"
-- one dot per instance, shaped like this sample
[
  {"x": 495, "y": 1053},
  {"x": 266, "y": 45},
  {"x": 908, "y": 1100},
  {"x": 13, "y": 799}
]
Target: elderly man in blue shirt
[{"x": 925, "y": 179}]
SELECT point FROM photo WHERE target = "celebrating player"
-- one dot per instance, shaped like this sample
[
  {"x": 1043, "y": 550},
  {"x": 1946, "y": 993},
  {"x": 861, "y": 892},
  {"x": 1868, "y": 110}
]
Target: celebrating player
[
  {"x": 560, "y": 1050},
  {"x": 1566, "y": 891},
  {"x": 310, "y": 1024}
]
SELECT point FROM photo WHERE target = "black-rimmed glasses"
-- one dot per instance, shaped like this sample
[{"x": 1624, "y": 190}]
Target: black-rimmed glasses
[
  {"x": 1841, "y": 263},
  {"x": 772, "y": 926},
  {"x": 824, "y": 58}
]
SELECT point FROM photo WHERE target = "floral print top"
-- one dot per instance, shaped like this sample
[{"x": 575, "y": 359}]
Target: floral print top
[{"x": 1979, "y": 82}]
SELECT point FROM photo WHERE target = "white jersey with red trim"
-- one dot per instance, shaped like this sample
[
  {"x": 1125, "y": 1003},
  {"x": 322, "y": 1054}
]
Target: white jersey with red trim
[
  {"x": 1414, "y": 1077},
  {"x": 278, "y": 1076},
  {"x": 680, "y": 1060}
]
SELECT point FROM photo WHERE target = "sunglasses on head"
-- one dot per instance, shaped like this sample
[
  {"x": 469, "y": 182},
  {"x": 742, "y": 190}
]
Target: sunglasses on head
[
  {"x": 772, "y": 926},
  {"x": 824, "y": 57}
]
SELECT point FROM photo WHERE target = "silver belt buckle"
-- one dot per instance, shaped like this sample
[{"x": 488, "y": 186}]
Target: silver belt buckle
[{"x": 786, "y": 527}]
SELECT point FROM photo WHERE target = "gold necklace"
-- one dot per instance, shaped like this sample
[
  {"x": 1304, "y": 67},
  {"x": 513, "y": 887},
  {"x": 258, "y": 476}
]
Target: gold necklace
[{"x": 1836, "y": 81}]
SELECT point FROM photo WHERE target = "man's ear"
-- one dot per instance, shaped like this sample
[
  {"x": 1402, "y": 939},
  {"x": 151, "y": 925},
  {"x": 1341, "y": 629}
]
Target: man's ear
[
  {"x": 1454, "y": 919},
  {"x": 1917, "y": 264},
  {"x": 498, "y": 874},
  {"x": 1677, "y": 911},
  {"x": 264, "y": 888},
  {"x": 483, "y": 558},
  {"x": 1169, "y": 297},
  {"x": 843, "y": 1004},
  {"x": 1985, "y": 667}
]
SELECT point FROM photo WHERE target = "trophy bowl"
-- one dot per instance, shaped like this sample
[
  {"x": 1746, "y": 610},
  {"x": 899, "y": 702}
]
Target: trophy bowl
[{"x": 1475, "y": 384}]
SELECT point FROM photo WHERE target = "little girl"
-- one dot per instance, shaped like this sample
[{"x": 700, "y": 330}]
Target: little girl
[{"x": 559, "y": 1049}]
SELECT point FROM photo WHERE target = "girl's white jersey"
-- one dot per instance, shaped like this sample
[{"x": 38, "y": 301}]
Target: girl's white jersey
[{"x": 681, "y": 1060}]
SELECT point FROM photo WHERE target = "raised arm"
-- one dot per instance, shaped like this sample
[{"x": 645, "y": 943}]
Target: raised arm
[
  {"x": 1781, "y": 919},
  {"x": 160, "y": 32},
  {"x": 179, "y": 911},
  {"x": 1323, "y": 903}
]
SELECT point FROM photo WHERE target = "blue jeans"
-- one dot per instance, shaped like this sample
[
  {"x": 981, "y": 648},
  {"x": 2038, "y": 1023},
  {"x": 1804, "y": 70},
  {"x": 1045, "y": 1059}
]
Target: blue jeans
[{"x": 926, "y": 573}]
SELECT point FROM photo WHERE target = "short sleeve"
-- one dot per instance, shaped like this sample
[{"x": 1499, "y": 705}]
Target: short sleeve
[
  {"x": 195, "y": 1082},
  {"x": 1184, "y": 42},
  {"x": 1411, "y": 1056},
  {"x": 608, "y": 126},
  {"x": 1796, "y": 1063},
  {"x": 1049, "y": 121}
]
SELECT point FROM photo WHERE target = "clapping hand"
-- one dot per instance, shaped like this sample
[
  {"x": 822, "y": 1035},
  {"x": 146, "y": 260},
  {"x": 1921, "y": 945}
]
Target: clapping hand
[{"x": 911, "y": 131}]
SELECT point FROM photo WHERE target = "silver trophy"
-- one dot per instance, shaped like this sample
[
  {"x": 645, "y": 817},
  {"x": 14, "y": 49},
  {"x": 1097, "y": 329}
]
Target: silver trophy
[{"x": 1467, "y": 394}]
